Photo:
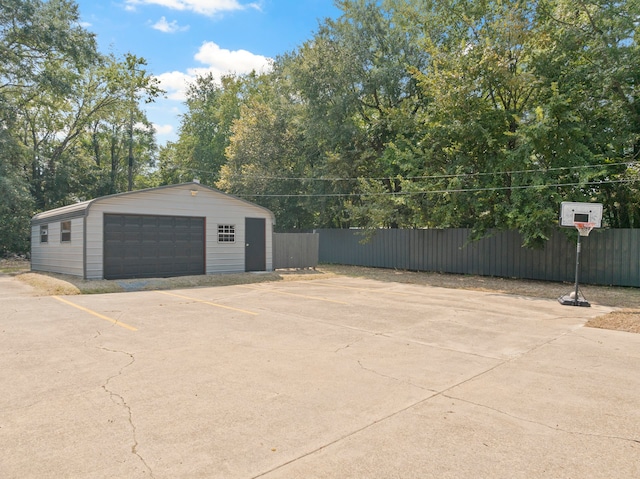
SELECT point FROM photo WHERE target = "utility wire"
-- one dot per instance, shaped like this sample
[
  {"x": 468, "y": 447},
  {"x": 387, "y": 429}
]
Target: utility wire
[
  {"x": 434, "y": 192},
  {"x": 423, "y": 177}
]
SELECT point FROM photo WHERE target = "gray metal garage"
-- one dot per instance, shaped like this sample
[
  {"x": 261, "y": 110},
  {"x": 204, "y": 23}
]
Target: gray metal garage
[{"x": 175, "y": 230}]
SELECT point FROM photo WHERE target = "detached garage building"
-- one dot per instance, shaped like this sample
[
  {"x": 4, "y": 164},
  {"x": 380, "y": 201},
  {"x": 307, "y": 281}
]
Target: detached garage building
[{"x": 174, "y": 230}]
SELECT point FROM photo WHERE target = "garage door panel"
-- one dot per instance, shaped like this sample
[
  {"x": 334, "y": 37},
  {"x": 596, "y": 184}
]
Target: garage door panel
[{"x": 143, "y": 246}]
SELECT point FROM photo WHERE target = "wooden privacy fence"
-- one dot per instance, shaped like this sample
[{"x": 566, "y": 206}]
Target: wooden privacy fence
[
  {"x": 608, "y": 256},
  {"x": 295, "y": 250}
]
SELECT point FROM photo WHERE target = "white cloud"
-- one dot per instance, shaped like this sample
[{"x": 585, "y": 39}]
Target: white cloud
[
  {"x": 163, "y": 129},
  {"x": 175, "y": 84},
  {"x": 203, "y": 7},
  {"x": 223, "y": 60},
  {"x": 168, "y": 27},
  {"x": 217, "y": 61}
]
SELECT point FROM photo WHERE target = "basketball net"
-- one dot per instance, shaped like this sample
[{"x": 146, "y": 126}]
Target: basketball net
[{"x": 584, "y": 228}]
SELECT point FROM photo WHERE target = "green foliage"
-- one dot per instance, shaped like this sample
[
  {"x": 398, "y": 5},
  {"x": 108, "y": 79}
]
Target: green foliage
[
  {"x": 16, "y": 206},
  {"x": 428, "y": 113},
  {"x": 68, "y": 115},
  {"x": 205, "y": 130}
]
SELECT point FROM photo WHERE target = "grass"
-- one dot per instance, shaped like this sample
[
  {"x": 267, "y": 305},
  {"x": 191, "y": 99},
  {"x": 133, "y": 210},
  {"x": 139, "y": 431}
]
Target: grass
[{"x": 625, "y": 318}]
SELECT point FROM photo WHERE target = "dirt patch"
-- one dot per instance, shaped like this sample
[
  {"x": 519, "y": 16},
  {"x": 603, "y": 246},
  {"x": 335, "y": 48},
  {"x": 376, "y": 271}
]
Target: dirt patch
[
  {"x": 627, "y": 299},
  {"x": 48, "y": 285},
  {"x": 625, "y": 320}
]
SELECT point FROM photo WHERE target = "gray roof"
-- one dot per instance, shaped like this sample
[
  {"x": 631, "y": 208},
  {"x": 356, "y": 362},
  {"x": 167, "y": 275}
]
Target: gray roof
[
  {"x": 63, "y": 213},
  {"x": 77, "y": 210}
]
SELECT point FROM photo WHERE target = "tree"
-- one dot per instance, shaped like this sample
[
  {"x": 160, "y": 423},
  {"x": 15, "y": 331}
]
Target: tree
[
  {"x": 43, "y": 49},
  {"x": 16, "y": 206},
  {"x": 424, "y": 113},
  {"x": 120, "y": 131},
  {"x": 359, "y": 97},
  {"x": 56, "y": 91},
  {"x": 266, "y": 157},
  {"x": 514, "y": 122},
  {"x": 205, "y": 131},
  {"x": 132, "y": 84}
]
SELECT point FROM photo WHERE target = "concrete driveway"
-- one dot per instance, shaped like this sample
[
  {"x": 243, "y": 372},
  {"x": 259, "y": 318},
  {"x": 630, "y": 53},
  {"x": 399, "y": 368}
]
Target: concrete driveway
[{"x": 331, "y": 378}]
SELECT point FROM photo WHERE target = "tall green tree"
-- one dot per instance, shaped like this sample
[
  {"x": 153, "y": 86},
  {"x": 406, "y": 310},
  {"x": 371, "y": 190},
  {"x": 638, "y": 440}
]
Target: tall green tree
[
  {"x": 266, "y": 158},
  {"x": 425, "y": 113},
  {"x": 119, "y": 138},
  {"x": 355, "y": 79},
  {"x": 58, "y": 98},
  {"x": 16, "y": 203},
  {"x": 520, "y": 105},
  {"x": 212, "y": 107},
  {"x": 43, "y": 49}
]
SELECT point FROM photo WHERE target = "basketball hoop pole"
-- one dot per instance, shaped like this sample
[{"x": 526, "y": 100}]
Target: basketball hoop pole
[
  {"x": 583, "y": 230},
  {"x": 575, "y": 298}
]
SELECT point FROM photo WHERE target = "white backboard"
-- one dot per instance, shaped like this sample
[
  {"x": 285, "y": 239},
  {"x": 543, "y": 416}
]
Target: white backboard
[{"x": 571, "y": 212}]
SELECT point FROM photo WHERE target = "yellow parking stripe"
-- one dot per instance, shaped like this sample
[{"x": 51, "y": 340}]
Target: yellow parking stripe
[
  {"x": 208, "y": 302},
  {"x": 295, "y": 294},
  {"x": 98, "y": 315}
]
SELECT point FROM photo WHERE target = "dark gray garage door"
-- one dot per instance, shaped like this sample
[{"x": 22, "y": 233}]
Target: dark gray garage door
[{"x": 146, "y": 246}]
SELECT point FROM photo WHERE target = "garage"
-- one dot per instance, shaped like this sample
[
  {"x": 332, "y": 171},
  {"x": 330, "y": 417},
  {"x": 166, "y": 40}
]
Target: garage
[
  {"x": 150, "y": 246},
  {"x": 171, "y": 230}
]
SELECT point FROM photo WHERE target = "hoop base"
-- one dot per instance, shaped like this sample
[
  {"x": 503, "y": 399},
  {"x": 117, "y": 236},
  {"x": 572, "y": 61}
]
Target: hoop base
[{"x": 569, "y": 299}]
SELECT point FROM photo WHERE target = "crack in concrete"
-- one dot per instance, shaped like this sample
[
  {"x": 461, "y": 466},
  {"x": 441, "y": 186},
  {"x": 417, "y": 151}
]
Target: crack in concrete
[
  {"x": 348, "y": 345},
  {"x": 119, "y": 400},
  {"x": 394, "y": 378},
  {"x": 539, "y": 423}
]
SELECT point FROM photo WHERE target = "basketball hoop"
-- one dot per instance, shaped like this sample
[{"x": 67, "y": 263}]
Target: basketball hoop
[
  {"x": 584, "y": 228},
  {"x": 583, "y": 217}
]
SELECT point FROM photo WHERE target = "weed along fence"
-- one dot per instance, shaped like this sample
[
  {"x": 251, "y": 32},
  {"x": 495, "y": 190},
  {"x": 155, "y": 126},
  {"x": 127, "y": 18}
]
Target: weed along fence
[
  {"x": 295, "y": 250},
  {"x": 608, "y": 257}
]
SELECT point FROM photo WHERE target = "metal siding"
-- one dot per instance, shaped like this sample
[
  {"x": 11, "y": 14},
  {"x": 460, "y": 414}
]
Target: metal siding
[
  {"x": 464, "y": 254},
  {"x": 634, "y": 257},
  {"x": 295, "y": 250},
  {"x": 381, "y": 242},
  {"x": 592, "y": 259},
  {"x": 549, "y": 250},
  {"x": 570, "y": 257},
  {"x": 55, "y": 256},
  {"x": 512, "y": 265},
  {"x": 414, "y": 259},
  {"x": 611, "y": 257},
  {"x": 484, "y": 253},
  {"x": 424, "y": 253},
  {"x": 406, "y": 250},
  {"x": 623, "y": 265},
  {"x": 437, "y": 249},
  {"x": 217, "y": 208},
  {"x": 427, "y": 260}
]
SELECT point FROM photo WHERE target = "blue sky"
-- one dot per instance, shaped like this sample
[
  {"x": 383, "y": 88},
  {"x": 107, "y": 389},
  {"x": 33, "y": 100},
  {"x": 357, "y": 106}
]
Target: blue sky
[{"x": 183, "y": 38}]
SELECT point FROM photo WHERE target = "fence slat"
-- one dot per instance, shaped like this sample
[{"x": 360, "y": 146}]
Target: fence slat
[
  {"x": 295, "y": 250},
  {"x": 608, "y": 256}
]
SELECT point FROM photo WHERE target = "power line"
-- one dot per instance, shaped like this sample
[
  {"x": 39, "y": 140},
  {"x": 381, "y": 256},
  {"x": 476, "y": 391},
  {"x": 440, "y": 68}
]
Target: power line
[
  {"x": 435, "y": 192},
  {"x": 420, "y": 177}
]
